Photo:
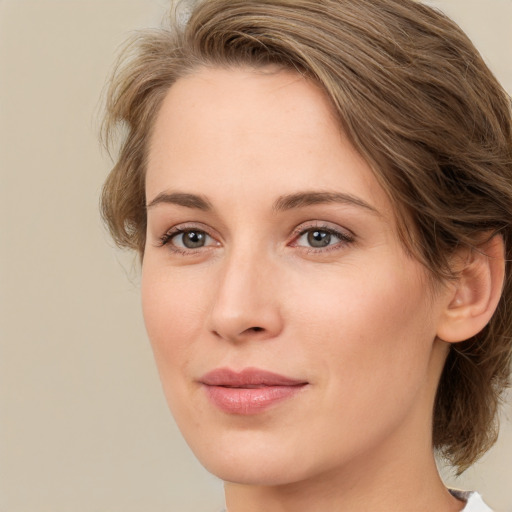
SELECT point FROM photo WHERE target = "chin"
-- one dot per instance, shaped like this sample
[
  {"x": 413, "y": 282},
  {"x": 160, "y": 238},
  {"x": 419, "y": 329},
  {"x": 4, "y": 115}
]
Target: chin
[
  {"x": 260, "y": 472},
  {"x": 251, "y": 460}
]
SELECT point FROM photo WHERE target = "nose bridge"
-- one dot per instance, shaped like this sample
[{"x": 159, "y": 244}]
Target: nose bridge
[{"x": 244, "y": 303}]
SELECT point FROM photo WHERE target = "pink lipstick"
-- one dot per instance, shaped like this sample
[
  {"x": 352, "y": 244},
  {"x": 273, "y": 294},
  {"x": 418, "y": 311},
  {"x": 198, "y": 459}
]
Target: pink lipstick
[{"x": 250, "y": 391}]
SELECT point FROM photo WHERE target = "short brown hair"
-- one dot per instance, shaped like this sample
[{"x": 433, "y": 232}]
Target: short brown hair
[{"x": 416, "y": 100}]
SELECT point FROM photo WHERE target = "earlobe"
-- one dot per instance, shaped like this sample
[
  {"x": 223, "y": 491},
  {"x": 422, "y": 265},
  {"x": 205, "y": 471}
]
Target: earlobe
[{"x": 474, "y": 295}]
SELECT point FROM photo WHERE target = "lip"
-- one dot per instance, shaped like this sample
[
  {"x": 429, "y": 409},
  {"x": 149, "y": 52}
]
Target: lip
[{"x": 250, "y": 391}]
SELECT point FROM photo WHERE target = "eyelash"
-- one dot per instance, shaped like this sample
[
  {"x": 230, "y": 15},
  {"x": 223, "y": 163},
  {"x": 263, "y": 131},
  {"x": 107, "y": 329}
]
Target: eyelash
[
  {"x": 174, "y": 232},
  {"x": 344, "y": 239}
]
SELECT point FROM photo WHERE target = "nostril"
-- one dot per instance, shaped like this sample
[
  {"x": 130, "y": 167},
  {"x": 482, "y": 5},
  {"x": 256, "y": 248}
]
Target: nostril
[{"x": 256, "y": 329}]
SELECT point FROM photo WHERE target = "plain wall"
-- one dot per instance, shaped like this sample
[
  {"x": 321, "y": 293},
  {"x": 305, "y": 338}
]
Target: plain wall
[{"x": 83, "y": 423}]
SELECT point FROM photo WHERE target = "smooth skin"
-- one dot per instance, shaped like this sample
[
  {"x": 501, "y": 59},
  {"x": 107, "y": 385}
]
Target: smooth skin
[{"x": 270, "y": 244}]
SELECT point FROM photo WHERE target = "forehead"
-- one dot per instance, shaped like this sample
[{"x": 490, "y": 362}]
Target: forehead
[
  {"x": 245, "y": 103},
  {"x": 264, "y": 131}
]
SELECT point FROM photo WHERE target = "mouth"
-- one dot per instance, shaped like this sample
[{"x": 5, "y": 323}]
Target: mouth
[{"x": 250, "y": 391}]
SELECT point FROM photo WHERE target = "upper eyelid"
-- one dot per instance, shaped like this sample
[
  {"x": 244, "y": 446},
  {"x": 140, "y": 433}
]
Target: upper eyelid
[
  {"x": 325, "y": 225},
  {"x": 190, "y": 226}
]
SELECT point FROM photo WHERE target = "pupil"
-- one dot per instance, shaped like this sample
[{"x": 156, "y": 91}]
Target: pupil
[
  {"x": 319, "y": 238},
  {"x": 193, "y": 239}
]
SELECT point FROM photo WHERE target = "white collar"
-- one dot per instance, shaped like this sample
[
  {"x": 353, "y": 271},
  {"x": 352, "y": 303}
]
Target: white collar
[{"x": 474, "y": 502}]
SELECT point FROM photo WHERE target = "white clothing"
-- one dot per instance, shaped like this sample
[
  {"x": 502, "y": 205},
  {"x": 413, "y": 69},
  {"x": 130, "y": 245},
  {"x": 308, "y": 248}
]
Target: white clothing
[{"x": 474, "y": 502}]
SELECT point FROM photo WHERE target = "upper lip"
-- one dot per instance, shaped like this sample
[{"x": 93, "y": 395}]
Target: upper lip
[{"x": 248, "y": 377}]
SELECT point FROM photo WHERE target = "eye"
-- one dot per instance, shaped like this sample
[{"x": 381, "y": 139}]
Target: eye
[
  {"x": 192, "y": 239},
  {"x": 183, "y": 239},
  {"x": 321, "y": 237},
  {"x": 318, "y": 238}
]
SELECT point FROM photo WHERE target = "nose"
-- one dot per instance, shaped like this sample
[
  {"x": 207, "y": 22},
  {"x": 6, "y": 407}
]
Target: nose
[{"x": 245, "y": 304}]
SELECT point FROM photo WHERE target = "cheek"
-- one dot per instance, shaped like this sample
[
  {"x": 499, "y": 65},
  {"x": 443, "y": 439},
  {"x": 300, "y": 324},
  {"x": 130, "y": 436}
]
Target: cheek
[
  {"x": 172, "y": 307},
  {"x": 373, "y": 325},
  {"x": 369, "y": 344}
]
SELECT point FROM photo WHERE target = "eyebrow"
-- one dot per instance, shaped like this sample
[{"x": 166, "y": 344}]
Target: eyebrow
[
  {"x": 309, "y": 198},
  {"x": 283, "y": 203},
  {"x": 182, "y": 199}
]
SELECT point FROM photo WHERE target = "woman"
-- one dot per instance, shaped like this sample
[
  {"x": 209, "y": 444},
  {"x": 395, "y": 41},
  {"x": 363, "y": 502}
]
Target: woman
[{"x": 321, "y": 196}]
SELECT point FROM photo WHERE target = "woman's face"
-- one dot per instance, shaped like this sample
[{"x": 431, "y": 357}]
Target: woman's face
[{"x": 293, "y": 334}]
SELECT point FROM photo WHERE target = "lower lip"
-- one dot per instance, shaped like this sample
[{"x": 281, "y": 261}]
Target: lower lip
[{"x": 248, "y": 401}]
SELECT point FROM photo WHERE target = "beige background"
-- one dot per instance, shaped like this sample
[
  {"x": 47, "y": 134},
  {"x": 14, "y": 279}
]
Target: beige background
[{"x": 83, "y": 424}]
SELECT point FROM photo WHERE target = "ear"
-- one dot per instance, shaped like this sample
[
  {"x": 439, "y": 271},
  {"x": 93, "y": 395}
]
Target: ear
[{"x": 474, "y": 295}]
